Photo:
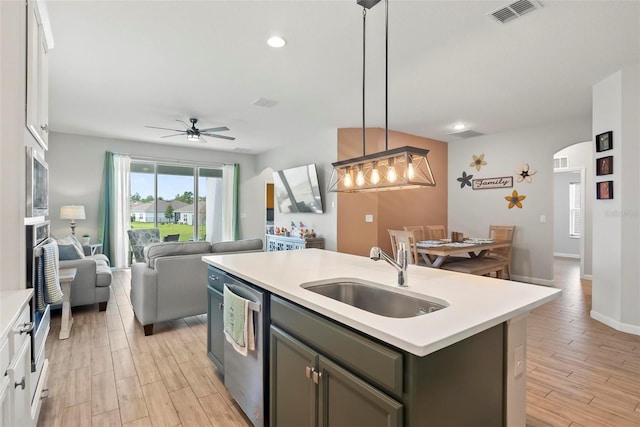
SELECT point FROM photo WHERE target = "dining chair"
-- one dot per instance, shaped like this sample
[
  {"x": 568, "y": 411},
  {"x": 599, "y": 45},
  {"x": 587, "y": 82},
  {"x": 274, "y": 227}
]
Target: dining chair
[
  {"x": 418, "y": 231},
  {"x": 504, "y": 233},
  {"x": 171, "y": 238},
  {"x": 406, "y": 237},
  {"x": 436, "y": 232}
]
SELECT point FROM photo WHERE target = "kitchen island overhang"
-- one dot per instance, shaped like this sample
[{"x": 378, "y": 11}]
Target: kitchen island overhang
[{"x": 475, "y": 303}]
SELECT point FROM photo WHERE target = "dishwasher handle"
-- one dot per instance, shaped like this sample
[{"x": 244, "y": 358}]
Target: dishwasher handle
[{"x": 238, "y": 290}]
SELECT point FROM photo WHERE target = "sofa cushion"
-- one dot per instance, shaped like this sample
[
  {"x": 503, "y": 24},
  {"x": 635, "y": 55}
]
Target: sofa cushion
[
  {"x": 237, "y": 246},
  {"x": 67, "y": 244},
  {"x": 163, "y": 249}
]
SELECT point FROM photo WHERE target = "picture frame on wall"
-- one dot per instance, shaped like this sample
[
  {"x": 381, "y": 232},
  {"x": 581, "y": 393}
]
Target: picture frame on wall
[
  {"x": 604, "y": 165},
  {"x": 604, "y": 141},
  {"x": 604, "y": 190}
]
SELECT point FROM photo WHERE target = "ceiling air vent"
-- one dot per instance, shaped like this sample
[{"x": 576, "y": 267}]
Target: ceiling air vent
[
  {"x": 264, "y": 102},
  {"x": 514, "y": 10},
  {"x": 466, "y": 133}
]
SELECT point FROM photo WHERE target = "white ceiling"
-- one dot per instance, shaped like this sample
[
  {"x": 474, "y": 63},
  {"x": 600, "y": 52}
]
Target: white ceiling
[{"x": 120, "y": 65}]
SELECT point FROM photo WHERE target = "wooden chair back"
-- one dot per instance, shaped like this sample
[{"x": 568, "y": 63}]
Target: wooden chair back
[
  {"x": 406, "y": 237},
  {"x": 436, "y": 232},
  {"x": 504, "y": 233},
  {"x": 418, "y": 231}
]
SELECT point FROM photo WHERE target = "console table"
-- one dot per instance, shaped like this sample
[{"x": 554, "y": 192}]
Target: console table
[
  {"x": 281, "y": 243},
  {"x": 66, "y": 276}
]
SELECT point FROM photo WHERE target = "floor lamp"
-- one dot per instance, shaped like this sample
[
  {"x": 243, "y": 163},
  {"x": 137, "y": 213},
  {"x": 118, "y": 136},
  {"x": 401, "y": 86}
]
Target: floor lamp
[{"x": 72, "y": 212}]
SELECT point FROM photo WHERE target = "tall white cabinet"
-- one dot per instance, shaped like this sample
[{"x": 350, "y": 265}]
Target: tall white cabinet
[{"x": 39, "y": 42}]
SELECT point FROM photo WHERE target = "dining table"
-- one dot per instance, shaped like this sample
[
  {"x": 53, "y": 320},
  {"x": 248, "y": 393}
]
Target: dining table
[{"x": 435, "y": 252}]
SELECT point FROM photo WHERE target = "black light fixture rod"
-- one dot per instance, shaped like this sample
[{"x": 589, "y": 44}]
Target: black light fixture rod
[
  {"x": 364, "y": 45},
  {"x": 386, "y": 74}
]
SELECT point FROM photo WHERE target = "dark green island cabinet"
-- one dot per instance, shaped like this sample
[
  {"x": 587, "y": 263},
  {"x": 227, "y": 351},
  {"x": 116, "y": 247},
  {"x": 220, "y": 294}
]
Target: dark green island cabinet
[{"x": 323, "y": 373}]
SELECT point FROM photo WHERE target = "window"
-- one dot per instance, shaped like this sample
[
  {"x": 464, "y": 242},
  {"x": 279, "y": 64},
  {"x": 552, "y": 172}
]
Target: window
[
  {"x": 575, "y": 215},
  {"x": 182, "y": 200}
]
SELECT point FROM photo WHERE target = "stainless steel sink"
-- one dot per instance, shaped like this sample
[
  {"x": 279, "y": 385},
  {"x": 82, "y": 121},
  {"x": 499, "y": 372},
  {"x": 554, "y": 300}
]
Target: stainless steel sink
[{"x": 374, "y": 298}]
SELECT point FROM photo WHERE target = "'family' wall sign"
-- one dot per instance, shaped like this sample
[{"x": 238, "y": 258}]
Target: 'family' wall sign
[{"x": 498, "y": 182}]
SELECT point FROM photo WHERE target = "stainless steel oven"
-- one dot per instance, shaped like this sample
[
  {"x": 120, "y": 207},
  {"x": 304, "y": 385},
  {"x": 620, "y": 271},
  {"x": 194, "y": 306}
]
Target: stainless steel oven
[{"x": 37, "y": 235}]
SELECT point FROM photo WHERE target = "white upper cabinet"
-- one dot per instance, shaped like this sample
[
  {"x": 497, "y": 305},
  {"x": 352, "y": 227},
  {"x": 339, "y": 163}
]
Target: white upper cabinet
[{"x": 39, "y": 42}]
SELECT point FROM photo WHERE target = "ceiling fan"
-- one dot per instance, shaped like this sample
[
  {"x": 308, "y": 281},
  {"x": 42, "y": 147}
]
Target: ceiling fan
[{"x": 195, "y": 134}]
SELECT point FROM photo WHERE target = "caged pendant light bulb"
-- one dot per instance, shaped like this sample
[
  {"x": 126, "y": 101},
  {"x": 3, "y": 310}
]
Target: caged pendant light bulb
[{"x": 396, "y": 169}]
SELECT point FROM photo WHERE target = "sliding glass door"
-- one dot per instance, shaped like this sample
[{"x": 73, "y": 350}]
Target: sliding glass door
[{"x": 183, "y": 201}]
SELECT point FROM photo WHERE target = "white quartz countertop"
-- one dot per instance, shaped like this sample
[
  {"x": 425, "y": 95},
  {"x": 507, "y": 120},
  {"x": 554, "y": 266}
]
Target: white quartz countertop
[
  {"x": 475, "y": 303},
  {"x": 11, "y": 305}
]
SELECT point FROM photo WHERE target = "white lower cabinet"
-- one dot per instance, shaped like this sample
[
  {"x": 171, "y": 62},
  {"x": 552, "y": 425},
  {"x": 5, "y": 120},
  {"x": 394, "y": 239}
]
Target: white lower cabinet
[
  {"x": 19, "y": 379},
  {"x": 15, "y": 360}
]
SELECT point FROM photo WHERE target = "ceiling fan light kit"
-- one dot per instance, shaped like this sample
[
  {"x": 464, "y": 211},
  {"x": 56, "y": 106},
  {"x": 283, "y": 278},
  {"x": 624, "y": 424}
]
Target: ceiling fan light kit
[{"x": 397, "y": 169}]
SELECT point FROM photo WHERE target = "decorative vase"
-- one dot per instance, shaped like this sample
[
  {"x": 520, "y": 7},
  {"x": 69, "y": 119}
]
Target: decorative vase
[{"x": 86, "y": 240}]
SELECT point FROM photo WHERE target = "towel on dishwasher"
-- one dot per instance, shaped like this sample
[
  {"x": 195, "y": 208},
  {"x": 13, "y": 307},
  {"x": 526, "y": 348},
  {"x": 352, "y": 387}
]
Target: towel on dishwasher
[{"x": 238, "y": 322}]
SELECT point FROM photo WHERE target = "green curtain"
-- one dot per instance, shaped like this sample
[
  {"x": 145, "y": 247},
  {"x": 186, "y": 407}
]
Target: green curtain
[
  {"x": 236, "y": 220},
  {"x": 107, "y": 197}
]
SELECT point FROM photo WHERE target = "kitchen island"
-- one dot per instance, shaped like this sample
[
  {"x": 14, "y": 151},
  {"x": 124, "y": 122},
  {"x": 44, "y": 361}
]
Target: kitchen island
[{"x": 476, "y": 344}]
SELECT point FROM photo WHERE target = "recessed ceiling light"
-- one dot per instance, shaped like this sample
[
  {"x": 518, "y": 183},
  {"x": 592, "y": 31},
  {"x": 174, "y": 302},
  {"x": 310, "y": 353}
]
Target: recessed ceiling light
[
  {"x": 459, "y": 126},
  {"x": 276, "y": 41}
]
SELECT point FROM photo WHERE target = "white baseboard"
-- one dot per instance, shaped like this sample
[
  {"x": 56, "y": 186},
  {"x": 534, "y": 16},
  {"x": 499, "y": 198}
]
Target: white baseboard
[
  {"x": 586, "y": 277},
  {"x": 533, "y": 280},
  {"x": 622, "y": 327},
  {"x": 561, "y": 255}
]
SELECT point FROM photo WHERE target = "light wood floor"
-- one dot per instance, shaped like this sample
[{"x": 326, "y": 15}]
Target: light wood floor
[{"x": 580, "y": 372}]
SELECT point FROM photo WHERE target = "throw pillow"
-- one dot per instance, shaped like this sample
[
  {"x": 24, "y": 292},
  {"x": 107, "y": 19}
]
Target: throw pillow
[
  {"x": 67, "y": 252},
  {"x": 73, "y": 242}
]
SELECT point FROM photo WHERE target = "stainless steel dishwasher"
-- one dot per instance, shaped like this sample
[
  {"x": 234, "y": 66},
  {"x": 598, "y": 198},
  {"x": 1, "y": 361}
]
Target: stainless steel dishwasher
[{"x": 246, "y": 376}]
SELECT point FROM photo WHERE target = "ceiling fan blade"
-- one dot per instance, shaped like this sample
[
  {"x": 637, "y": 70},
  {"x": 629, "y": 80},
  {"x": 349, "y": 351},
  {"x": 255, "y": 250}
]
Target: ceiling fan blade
[
  {"x": 155, "y": 127},
  {"x": 175, "y": 134},
  {"x": 230, "y": 138},
  {"x": 218, "y": 129},
  {"x": 186, "y": 126}
]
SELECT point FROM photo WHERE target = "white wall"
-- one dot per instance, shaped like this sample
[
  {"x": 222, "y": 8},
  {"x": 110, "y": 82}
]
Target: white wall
[
  {"x": 563, "y": 243},
  {"x": 472, "y": 211},
  {"x": 321, "y": 149},
  {"x": 76, "y": 164},
  {"x": 616, "y": 228},
  {"x": 12, "y": 144}
]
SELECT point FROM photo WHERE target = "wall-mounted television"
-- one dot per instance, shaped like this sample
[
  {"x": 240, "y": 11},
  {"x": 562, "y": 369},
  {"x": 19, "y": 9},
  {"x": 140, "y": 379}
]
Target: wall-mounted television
[
  {"x": 37, "y": 184},
  {"x": 297, "y": 190}
]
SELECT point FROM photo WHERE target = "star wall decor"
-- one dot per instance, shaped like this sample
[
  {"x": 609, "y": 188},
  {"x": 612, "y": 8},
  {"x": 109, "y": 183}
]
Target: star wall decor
[
  {"x": 478, "y": 161},
  {"x": 465, "y": 180},
  {"x": 525, "y": 173},
  {"x": 515, "y": 200}
]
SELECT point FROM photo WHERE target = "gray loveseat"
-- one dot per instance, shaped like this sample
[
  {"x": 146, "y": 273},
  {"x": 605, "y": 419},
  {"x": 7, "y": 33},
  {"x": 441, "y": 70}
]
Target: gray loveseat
[
  {"x": 171, "y": 283},
  {"x": 91, "y": 284}
]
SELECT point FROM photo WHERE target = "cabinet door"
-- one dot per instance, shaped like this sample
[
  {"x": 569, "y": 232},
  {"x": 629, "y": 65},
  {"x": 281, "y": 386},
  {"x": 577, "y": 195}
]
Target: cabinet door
[
  {"x": 215, "y": 338},
  {"x": 346, "y": 400},
  {"x": 37, "y": 77},
  {"x": 19, "y": 378},
  {"x": 5, "y": 402},
  {"x": 293, "y": 392}
]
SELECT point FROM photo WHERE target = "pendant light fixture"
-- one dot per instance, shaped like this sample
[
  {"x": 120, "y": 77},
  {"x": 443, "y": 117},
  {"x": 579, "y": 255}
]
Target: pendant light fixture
[{"x": 397, "y": 169}]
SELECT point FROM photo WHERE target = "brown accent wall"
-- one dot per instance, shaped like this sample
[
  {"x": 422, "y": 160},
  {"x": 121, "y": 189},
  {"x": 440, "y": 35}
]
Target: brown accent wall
[{"x": 390, "y": 209}]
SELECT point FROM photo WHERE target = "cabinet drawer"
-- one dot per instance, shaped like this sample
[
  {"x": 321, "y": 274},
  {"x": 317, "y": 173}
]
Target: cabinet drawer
[
  {"x": 216, "y": 278},
  {"x": 4, "y": 356},
  {"x": 380, "y": 365},
  {"x": 22, "y": 324}
]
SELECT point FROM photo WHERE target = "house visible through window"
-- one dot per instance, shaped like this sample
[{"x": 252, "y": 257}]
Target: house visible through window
[
  {"x": 183, "y": 201},
  {"x": 575, "y": 215}
]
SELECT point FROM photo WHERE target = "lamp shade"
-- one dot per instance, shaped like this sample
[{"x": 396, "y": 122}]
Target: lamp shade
[{"x": 72, "y": 212}]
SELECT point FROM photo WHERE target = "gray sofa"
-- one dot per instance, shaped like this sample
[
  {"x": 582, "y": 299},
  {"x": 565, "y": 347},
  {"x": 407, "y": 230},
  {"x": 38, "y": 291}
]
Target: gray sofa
[
  {"x": 171, "y": 283},
  {"x": 91, "y": 284}
]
